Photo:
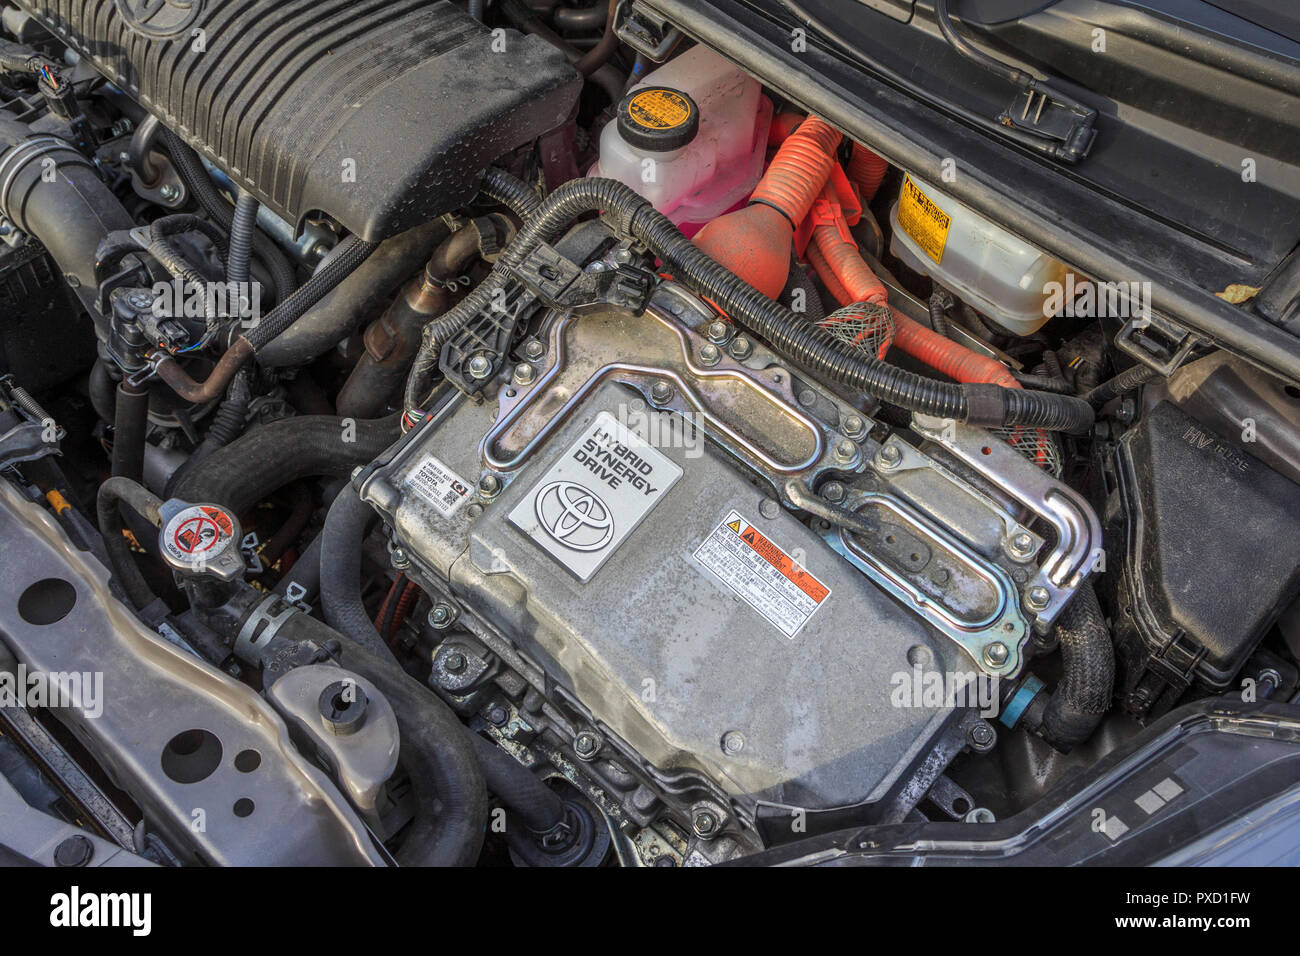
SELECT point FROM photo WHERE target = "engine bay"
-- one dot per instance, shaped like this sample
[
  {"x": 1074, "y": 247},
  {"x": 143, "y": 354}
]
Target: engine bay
[{"x": 512, "y": 434}]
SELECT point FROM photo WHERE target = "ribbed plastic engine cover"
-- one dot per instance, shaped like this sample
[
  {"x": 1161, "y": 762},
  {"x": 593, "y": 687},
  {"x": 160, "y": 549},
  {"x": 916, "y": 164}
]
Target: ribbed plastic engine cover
[{"x": 381, "y": 113}]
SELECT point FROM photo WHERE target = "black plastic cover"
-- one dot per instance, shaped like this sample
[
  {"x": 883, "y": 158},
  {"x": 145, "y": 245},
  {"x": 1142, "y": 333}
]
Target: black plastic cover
[
  {"x": 381, "y": 113},
  {"x": 1213, "y": 555}
]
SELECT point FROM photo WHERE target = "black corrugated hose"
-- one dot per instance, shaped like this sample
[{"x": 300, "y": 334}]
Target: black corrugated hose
[
  {"x": 799, "y": 341},
  {"x": 243, "y": 230},
  {"x": 1125, "y": 381},
  {"x": 350, "y": 254}
]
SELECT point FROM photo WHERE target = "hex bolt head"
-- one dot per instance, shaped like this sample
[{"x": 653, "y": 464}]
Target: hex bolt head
[
  {"x": 845, "y": 450},
  {"x": 741, "y": 347},
  {"x": 710, "y": 355},
  {"x": 455, "y": 662},
  {"x": 586, "y": 744},
  {"x": 1038, "y": 597},
  {"x": 996, "y": 653},
  {"x": 704, "y": 823},
  {"x": 855, "y": 427},
  {"x": 834, "y": 492},
  {"x": 718, "y": 332},
  {"x": 169, "y": 193},
  {"x": 890, "y": 456},
  {"x": 982, "y": 734},
  {"x": 534, "y": 350},
  {"x": 480, "y": 366},
  {"x": 661, "y": 392},
  {"x": 525, "y": 374},
  {"x": 733, "y": 742},
  {"x": 489, "y": 486},
  {"x": 1021, "y": 544}
]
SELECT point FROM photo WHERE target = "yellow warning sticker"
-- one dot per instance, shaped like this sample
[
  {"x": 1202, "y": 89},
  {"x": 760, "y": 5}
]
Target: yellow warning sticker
[
  {"x": 921, "y": 219},
  {"x": 660, "y": 109}
]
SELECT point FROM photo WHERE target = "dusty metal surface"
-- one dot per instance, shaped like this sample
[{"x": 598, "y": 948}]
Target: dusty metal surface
[{"x": 208, "y": 760}]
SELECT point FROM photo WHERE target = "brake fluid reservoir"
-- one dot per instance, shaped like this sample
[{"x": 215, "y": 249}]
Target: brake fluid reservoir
[
  {"x": 999, "y": 274},
  {"x": 691, "y": 137}
]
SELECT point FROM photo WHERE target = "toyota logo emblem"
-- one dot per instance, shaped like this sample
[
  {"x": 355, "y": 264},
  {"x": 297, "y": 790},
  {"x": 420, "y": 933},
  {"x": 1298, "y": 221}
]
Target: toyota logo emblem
[
  {"x": 574, "y": 516},
  {"x": 159, "y": 19}
]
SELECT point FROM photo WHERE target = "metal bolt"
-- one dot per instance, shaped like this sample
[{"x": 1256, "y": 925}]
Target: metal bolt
[
  {"x": 741, "y": 347},
  {"x": 124, "y": 157},
  {"x": 454, "y": 662},
  {"x": 586, "y": 744},
  {"x": 996, "y": 653},
  {"x": 497, "y": 716},
  {"x": 718, "y": 332},
  {"x": 733, "y": 742},
  {"x": 534, "y": 350},
  {"x": 1021, "y": 545},
  {"x": 169, "y": 193},
  {"x": 710, "y": 354},
  {"x": 890, "y": 456},
  {"x": 1038, "y": 597},
  {"x": 440, "y": 616},
  {"x": 855, "y": 427},
  {"x": 845, "y": 450},
  {"x": 982, "y": 734},
  {"x": 480, "y": 366},
  {"x": 980, "y": 815},
  {"x": 661, "y": 392},
  {"x": 400, "y": 560},
  {"x": 524, "y": 374},
  {"x": 769, "y": 508},
  {"x": 834, "y": 492},
  {"x": 489, "y": 486},
  {"x": 704, "y": 823},
  {"x": 807, "y": 397}
]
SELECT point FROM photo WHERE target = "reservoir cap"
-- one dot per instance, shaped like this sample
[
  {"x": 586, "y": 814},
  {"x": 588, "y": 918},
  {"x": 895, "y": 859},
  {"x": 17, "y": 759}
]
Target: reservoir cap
[{"x": 658, "y": 119}]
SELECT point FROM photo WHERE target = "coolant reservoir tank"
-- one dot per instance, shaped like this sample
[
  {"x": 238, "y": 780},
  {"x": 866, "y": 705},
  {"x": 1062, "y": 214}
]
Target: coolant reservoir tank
[
  {"x": 690, "y": 137},
  {"x": 999, "y": 274}
]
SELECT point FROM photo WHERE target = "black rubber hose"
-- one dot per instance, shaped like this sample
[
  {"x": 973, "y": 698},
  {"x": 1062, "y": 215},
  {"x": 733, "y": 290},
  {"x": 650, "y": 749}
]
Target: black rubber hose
[
  {"x": 346, "y": 526},
  {"x": 228, "y": 423},
  {"x": 303, "y": 578},
  {"x": 353, "y": 252},
  {"x": 117, "y": 491},
  {"x": 242, "y": 230},
  {"x": 192, "y": 172},
  {"x": 450, "y": 793},
  {"x": 130, "y": 426},
  {"x": 1083, "y": 694},
  {"x": 346, "y": 308},
  {"x": 1125, "y": 381},
  {"x": 268, "y": 457},
  {"x": 799, "y": 341}
]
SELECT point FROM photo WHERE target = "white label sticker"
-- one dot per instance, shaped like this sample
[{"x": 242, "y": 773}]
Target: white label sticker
[
  {"x": 441, "y": 486},
  {"x": 763, "y": 575},
  {"x": 595, "y": 496}
]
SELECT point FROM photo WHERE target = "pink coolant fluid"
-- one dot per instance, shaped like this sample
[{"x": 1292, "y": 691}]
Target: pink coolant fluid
[{"x": 714, "y": 172}]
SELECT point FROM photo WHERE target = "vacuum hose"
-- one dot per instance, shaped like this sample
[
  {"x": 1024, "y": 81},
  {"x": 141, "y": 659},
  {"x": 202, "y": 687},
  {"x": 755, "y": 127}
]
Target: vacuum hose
[{"x": 792, "y": 336}]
